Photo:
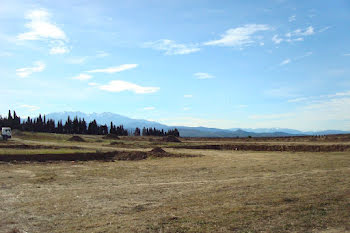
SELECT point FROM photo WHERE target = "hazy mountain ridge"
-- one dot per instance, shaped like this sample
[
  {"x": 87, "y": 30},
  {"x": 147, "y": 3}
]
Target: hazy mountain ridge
[{"x": 185, "y": 131}]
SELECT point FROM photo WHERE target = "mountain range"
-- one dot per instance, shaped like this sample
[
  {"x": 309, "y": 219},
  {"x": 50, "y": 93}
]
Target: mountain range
[{"x": 185, "y": 131}]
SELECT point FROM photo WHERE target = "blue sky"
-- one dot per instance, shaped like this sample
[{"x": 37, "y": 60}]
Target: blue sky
[{"x": 224, "y": 64}]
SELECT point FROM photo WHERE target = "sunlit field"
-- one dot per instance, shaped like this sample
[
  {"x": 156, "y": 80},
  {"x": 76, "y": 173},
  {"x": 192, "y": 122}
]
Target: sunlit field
[{"x": 201, "y": 190}]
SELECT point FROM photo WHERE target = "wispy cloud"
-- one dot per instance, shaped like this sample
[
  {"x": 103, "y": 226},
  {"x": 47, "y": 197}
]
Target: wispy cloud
[
  {"x": 296, "y": 100},
  {"x": 285, "y": 62},
  {"x": 289, "y": 60},
  {"x": 101, "y": 54},
  {"x": 188, "y": 96},
  {"x": 149, "y": 108},
  {"x": 324, "y": 29},
  {"x": 41, "y": 28},
  {"x": 115, "y": 69},
  {"x": 76, "y": 60},
  {"x": 276, "y": 39},
  {"x": 271, "y": 116},
  {"x": 59, "y": 47},
  {"x": 83, "y": 77},
  {"x": 170, "y": 47},
  {"x": 201, "y": 75},
  {"x": 301, "y": 32},
  {"x": 292, "y": 18},
  {"x": 294, "y": 36},
  {"x": 31, "y": 108},
  {"x": 119, "y": 86},
  {"x": 240, "y": 36},
  {"x": 6, "y": 54},
  {"x": 346, "y": 54},
  {"x": 25, "y": 72},
  {"x": 186, "y": 108},
  {"x": 93, "y": 84}
]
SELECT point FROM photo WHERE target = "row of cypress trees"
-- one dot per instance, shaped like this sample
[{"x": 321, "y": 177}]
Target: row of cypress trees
[{"x": 75, "y": 126}]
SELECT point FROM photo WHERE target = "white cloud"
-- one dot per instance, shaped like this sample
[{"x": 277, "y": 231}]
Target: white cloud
[
  {"x": 188, "y": 96},
  {"x": 41, "y": 28},
  {"x": 294, "y": 36},
  {"x": 271, "y": 116},
  {"x": 25, "y": 72},
  {"x": 295, "y": 100},
  {"x": 201, "y": 75},
  {"x": 76, "y": 60},
  {"x": 119, "y": 86},
  {"x": 186, "y": 108},
  {"x": 285, "y": 62},
  {"x": 29, "y": 107},
  {"x": 301, "y": 32},
  {"x": 149, "y": 108},
  {"x": 116, "y": 69},
  {"x": 347, "y": 93},
  {"x": 6, "y": 54},
  {"x": 276, "y": 39},
  {"x": 292, "y": 18},
  {"x": 242, "y": 106},
  {"x": 83, "y": 77},
  {"x": 170, "y": 47},
  {"x": 93, "y": 84},
  {"x": 240, "y": 36},
  {"x": 101, "y": 54},
  {"x": 324, "y": 29},
  {"x": 346, "y": 54},
  {"x": 59, "y": 50}
]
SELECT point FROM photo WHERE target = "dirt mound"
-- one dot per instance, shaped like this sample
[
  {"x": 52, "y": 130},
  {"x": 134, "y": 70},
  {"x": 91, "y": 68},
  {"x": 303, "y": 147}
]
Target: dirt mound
[
  {"x": 158, "y": 150},
  {"x": 130, "y": 155},
  {"x": 111, "y": 136},
  {"x": 108, "y": 156},
  {"x": 171, "y": 138},
  {"x": 269, "y": 147},
  {"x": 76, "y": 139},
  {"x": 99, "y": 156}
]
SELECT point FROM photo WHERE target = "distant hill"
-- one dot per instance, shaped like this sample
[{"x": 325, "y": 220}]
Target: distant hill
[{"x": 129, "y": 123}]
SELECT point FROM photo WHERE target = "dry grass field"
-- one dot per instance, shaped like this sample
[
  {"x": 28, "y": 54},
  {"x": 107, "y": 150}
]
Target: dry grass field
[{"x": 220, "y": 190}]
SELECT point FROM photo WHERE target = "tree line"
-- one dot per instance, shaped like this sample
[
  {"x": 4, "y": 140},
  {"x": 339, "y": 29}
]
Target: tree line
[{"x": 76, "y": 126}]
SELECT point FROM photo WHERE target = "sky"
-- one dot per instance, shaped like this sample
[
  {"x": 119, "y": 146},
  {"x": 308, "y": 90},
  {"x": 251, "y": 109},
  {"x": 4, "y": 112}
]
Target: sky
[{"x": 223, "y": 64}]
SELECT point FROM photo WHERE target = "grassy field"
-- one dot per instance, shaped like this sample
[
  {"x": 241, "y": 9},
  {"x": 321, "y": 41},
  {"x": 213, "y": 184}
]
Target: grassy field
[{"x": 218, "y": 191}]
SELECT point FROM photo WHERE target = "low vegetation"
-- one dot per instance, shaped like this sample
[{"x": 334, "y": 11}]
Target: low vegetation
[{"x": 159, "y": 186}]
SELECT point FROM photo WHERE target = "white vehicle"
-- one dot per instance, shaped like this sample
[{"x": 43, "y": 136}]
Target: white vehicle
[{"x": 6, "y": 133}]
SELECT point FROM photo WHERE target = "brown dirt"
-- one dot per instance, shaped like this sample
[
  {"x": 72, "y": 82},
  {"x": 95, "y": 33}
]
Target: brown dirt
[
  {"x": 104, "y": 156},
  {"x": 158, "y": 152},
  {"x": 31, "y": 147},
  {"x": 171, "y": 138},
  {"x": 76, "y": 139},
  {"x": 269, "y": 147},
  {"x": 111, "y": 136}
]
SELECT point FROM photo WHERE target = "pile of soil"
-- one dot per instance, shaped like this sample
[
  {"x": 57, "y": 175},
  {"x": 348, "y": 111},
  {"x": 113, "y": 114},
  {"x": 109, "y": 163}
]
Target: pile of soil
[
  {"x": 130, "y": 155},
  {"x": 25, "y": 146},
  {"x": 158, "y": 150},
  {"x": 111, "y": 136},
  {"x": 99, "y": 156},
  {"x": 269, "y": 147},
  {"x": 171, "y": 138},
  {"x": 76, "y": 139},
  {"x": 108, "y": 156}
]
